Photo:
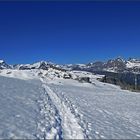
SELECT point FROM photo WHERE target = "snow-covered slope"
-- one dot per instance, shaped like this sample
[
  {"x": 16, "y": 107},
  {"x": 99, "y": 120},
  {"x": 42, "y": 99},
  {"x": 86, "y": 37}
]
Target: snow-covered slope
[
  {"x": 133, "y": 63},
  {"x": 19, "y": 74},
  {"x": 19, "y": 111},
  {"x": 40, "y": 104},
  {"x": 107, "y": 111}
]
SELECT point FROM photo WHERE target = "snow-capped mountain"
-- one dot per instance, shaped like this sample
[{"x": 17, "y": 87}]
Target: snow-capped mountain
[
  {"x": 38, "y": 65},
  {"x": 44, "y": 65},
  {"x": 113, "y": 65},
  {"x": 4, "y": 65},
  {"x": 133, "y": 63}
]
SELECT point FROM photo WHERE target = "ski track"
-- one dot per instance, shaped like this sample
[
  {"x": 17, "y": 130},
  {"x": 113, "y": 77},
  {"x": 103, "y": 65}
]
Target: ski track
[
  {"x": 58, "y": 121},
  {"x": 74, "y": 110},
  {"x": 49, "y": 122}
]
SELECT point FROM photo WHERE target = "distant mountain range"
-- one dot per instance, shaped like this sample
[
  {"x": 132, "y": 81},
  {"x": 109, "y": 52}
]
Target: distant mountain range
[{"x": 114, "y": 65}]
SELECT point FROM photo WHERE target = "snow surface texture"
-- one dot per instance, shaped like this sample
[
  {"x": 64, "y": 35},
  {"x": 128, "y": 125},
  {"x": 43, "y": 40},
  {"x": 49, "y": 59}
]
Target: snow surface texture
[
  {"x": 18, "y": 108},
  {"x": 133, "y": 64},
  {"x": 34, "y": 106}
]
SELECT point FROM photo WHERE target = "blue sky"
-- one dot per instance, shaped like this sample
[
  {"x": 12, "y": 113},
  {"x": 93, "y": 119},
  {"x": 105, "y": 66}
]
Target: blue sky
[{"x": 69, "y": 32}]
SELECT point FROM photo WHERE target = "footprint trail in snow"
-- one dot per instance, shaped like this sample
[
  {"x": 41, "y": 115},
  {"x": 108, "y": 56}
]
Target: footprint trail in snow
[{"x": 56, "y": 119}]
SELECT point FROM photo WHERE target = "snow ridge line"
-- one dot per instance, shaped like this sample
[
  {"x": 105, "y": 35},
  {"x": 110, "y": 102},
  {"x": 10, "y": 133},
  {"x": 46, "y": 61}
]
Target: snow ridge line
[
  {"x": 49, "y": 122},
  {"x": 70, "y": 126}
]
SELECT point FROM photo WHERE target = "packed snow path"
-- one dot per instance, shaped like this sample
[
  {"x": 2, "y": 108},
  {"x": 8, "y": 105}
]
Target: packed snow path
[
  {"x": 68, "y": 121},
  {"x": 49, "y": 121}
]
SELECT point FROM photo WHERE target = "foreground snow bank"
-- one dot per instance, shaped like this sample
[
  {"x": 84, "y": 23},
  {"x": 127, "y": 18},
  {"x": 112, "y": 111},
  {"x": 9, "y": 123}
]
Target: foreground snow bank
[
  {"x": 19, "y": 74},
  {"x": 18, "y": 108}
]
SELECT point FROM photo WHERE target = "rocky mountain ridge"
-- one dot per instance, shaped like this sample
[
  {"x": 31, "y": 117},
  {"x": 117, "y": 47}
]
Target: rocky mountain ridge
[{"x": 113, "y": 65}]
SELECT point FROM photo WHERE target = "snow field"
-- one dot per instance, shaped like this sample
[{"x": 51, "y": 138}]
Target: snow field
[{"x": 34, "y": 106}]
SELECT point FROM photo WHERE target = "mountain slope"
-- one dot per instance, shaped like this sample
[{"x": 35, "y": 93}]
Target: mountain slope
[{"x": 46, "y": 107}]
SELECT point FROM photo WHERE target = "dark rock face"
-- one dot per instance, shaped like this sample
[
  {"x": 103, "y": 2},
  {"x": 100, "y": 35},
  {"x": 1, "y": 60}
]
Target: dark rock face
[
  {"x": 134, "y": 69},
  {"x": 57, "y": 68},
  {"x": 83, "y": 79},
  {"x": 96, "y": 66},
  {"x": 67, "y": 76},
  {"x": 44, "y": 66},
  {"x": 124, "y": 80},
  {"x": 24, "y": 68},
  {"x": 117, "y": 64}
]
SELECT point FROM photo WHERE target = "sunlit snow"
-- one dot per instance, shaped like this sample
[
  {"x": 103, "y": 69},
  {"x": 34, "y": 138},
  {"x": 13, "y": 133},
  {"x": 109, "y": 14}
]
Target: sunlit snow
[{"x": 35, "y": 106}]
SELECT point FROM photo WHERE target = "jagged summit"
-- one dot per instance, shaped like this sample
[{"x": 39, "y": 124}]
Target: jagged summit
[
  {"x": 4, "y": 65},
  {"x": 1, "y": 61},
  {"x": 44, "y": 65},
  {"x": 37, "y": 65}
]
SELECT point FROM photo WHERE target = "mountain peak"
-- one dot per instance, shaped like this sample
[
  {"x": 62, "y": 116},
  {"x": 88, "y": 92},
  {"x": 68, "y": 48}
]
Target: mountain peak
[
  {"x": 1, "y": 61},
  {"x": 4, "y": 65},
  {"x": 120, "y": 59}
]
